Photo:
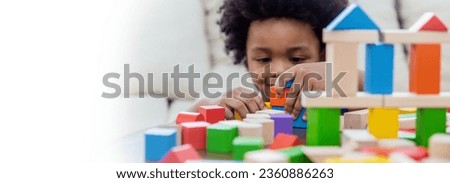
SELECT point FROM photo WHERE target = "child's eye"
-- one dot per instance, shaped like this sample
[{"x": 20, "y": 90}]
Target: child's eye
[
  {"x": 297, "y": 59},
  {"x": 265, "y": 60}
]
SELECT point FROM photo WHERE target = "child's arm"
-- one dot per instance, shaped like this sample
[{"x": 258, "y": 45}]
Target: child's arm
[{"x": 240, "y": 100}]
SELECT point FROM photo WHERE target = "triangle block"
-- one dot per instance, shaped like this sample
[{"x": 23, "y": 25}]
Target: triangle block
[
  {"x": 283, "y": 141},
  {"x": 352, "y": 17},
  {"x": 429, "y": 22},
  {"x": 181, "y": 154}
]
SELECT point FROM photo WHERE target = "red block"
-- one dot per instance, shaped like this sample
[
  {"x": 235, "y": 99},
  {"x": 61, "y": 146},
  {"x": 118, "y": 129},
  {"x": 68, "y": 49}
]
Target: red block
[
  {"x": 283, "y": 140},
  {"x": 180, "y": 154},
  {"x": 416, "y": 153},
  {"x": 189, "y": 117},
  {"x": 212, "y": 113},
  {"x": 194, "y": 133}
]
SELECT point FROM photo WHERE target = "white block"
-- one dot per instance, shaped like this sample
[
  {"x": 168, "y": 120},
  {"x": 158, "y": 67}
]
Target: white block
[
  {"x": 269, "y": 111},
  {"x": 246, "y": 129},
  {"x": 362, "y": 138},
  {"x": 318, "y": 154},
  {"x": 265, "y": 156},
  {"x": 440, "y": 146},
  {"x": 407, "y": 123},
  {"x": 361, "y": 100},
  {"x": 268, "y": 126},
  {"x": 344, "y": 59},
  {"x": 388, "y": 143},
  {"x": 356, "y": 119},
  {"x": 257, "y": 116},
  {"x": 398, "y": 100},
  {"x": 400, "y": 158}
]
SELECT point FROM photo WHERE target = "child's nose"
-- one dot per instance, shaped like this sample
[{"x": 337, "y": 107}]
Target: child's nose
[{"x": 277, "y": 67}]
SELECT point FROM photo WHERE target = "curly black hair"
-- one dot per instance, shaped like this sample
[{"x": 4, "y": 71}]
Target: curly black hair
[{"x": 238, "y": 15}]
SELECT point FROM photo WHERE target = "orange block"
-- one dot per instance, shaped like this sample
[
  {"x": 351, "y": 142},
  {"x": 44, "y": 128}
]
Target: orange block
[
  {"x": 180, "y": 154},
  {"x": 425, "y": 69},
  {"x": 275, "y": 99},
  {"x": 283, "y": 140}
]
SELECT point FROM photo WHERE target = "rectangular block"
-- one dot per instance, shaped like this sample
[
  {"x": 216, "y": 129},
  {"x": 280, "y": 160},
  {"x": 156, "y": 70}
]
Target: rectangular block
[
  {"x": 275, "y": 99},
  {"x": 176, "y": 127},
  {"x": 295, "y": 155},
  {"x": 407, "y": 123},
  {"x": 268, "y": 128},
  {"x": 323, "y": 127},
  {"x": 283, "y": 123},
  {"x": 425, "y": 69},
  {"x": 357, "y": 158},
  {"x": 195, "y": 134},
  {"x": 379, "y": 75},
  {"x": 212, "y": 113},
  {"x": 362, "y": 138},
  {"x": 356, "y": 119},
  {"x": 245, "y": 129},
  {"x": 283, "y": 141},
  {"x": 189, "y": 117},
  {"x": 391, "y": 143},
  {"x": 300, "y": 122},
  {"x": 278, "y": 108},
  {"x": 383, "y": 122},
  {"x": 361, "y": 100},
  {"x": 428, "y": 123},
  {"x": 159, "y": 141},
  {"x": 241, "y": 145},
  {"x": 390, "y": 36},
  {"x": 258, "y": 116},
  {"x": 270, "y": 111},
  {"x": 344, "y": 59},
  {"x": 401, "y": 99},
  {"x": 265, "y": 156},
  {"x": 319, "y": 154},
  {"x": 220, "y": 138},
  {"x": 440, "y": 146}
]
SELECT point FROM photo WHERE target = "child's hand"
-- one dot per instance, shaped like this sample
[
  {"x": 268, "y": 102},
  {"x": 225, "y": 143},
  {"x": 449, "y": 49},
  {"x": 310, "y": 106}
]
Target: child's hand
[
  {"x": 308, "y": 76},
  {"x": 242, "y": 101}
]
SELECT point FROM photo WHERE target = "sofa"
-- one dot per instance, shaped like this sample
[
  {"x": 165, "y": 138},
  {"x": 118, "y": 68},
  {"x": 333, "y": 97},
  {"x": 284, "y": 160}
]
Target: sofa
[{"x": 155, "y": 36}]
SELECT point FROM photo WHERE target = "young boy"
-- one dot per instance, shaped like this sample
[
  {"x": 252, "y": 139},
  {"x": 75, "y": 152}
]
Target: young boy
[{"x": 275, "y": 37}]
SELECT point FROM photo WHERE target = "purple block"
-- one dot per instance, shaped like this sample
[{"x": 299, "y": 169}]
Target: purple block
[{"x": 283, "y": 123}]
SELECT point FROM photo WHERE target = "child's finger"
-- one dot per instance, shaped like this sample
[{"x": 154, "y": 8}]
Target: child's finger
[
  {"x": 237, "y": 106},
  {"x": 297, "y": 108},
  {"x": 228, "y": 113},
  {"x": 281, "y": 81}
]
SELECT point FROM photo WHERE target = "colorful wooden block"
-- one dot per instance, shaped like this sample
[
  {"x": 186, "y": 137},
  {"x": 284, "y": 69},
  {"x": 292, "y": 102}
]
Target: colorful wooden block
[
  {"x": 440, "y": 146},
  {"x": 241, "y": 145},
  {"x": 275, "y": 99},
  {"x": 268, "y": 126},
  {"x": 220, "y": 138},
  {"x": 283, "y": 141},
  {"x": 268, "y": 106},
  {"x": 212, "y": 113},
  {"x": 283, "y": 123},
  {"x": 383, "y": 122},
  {"x": 181, "y": 154},
  {"x": 265, "y": 156},
  {"x": 258, "y": 116},
  {"x": 319, "y": 154},
  {"x": 295, "y": 155},
  {"x": 159, "y": 141},
  {"x": 429, "y": 22},
  {"x": 362, "y": 138},
  {"x": 379, "y": 75},
  {"x": 425, "y": 68},
  {"x": 300, "y": 122},
  {"x": 416, "y": 153},
  {"x": 195, "y": 134},
  {"x": 237, "y": 116},
  {"x": 357, "y": 158},
  {"x": 429, "y": 122},
  {"x": 392, "y": 143},
  {"x": 246, "y": 129},
  {"x": 344, "y": 59},
  {"x": 352, "y": 17},
  {"x": 356, "y": 119},
  {"x": 270, "y": 111},
  {"x": 323, "y": 127},
  {"x": 189, "y": 117},
  {"x": 176, "y": 127}
]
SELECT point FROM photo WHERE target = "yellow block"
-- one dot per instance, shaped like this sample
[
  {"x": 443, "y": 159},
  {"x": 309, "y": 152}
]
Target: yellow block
[
  {"x": 237, "y": 116},
  {"x": 268, "y": 105},
  {"x": 383, "y": 122},
  {"x": 373, "y": 159},
  {"x": 407, "y": 110}
]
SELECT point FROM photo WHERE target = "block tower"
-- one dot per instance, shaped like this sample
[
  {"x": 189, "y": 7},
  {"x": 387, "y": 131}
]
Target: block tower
[{"x": 353, "y": 27}]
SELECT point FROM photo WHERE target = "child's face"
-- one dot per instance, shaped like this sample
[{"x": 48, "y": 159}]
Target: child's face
[{"x": 282, "y": 43}]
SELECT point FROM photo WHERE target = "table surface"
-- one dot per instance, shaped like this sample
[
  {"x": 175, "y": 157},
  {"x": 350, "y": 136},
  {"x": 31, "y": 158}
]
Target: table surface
[{"x": 132, "y": 147}]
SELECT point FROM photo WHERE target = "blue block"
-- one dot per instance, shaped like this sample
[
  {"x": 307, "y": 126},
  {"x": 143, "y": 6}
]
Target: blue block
[
  {"x": 379, "y": 76},
  {"x": 352, "y": 17},
  {"x": 278, "y": 108},
  {"x": 159, "y": 141},
  {"x": 289, "y": 83},
  {"x": 299, "y": 122}
]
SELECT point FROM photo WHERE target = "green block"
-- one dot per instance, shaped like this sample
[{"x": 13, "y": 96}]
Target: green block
[
  {"x": 428, "y": 123},
  {"x": 220, "y": 138},
  {"x": 323, "y": 127},
  {"x": 241, "y": 145},
  {"x": 295, "y": 155}
]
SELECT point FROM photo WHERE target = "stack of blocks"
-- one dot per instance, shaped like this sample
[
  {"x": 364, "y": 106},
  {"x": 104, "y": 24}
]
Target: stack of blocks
[{"x": 382, "y": 141}]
